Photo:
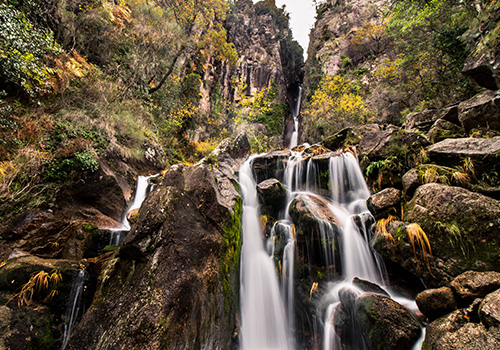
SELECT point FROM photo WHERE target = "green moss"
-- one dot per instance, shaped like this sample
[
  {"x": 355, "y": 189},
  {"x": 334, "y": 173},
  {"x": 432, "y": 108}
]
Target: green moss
[{"x": 232, "y": 248}]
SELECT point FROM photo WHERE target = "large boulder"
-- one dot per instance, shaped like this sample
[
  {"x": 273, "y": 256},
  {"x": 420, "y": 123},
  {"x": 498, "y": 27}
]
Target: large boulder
[
  {"x": 471, "y": 285},
  {"x": 434, "y": 303},
  {"x": 489, "y": 311},
  {"x": 484, "y": 153},
  {"x": 271, "y": 165},
  {"x": 174, "y": 281},
  {"x": 384, "y": 323},
  {"x": 481, "y": 112},
  {"x": 455, "y": 332},
  {"x": 349, "y": 136},
  {"x": 460, "y": 225}
]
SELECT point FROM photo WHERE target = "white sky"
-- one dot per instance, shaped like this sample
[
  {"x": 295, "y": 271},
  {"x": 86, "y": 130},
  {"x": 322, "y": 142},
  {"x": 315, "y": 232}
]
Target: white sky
[{"x": 302, "y": 13}]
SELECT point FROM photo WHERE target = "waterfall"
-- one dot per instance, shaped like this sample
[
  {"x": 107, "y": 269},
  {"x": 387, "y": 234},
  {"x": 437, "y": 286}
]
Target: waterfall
[
  {"x": 295, "y": 113},
  {"x": 75, "y": 304},
  {"x": 268, "y": 288},
  {"x": 141, "y": 191},
  {"x": 263, "y": 319}
]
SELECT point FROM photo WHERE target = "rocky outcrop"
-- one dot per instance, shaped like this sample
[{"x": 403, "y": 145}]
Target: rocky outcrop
[
  {"x": 481, "y": 112},
  {"x": 272, "y": 194},
  {"x": 384, "y": 323},
  {"x": 423, "y": 121},
  {"x": 484, "y": 153},
  {"x": 173, "y": 283},
  {"x": 459, "y": 225},
  {"x": 443, "y": 129}
]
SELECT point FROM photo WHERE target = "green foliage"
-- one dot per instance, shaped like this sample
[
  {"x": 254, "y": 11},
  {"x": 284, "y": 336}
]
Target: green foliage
[
  {"x": 336, "y": 103},
  {"x": 430, "y": 48},
  {"x": 59, "y": 169},
  {"x": 23, "y": 48}
]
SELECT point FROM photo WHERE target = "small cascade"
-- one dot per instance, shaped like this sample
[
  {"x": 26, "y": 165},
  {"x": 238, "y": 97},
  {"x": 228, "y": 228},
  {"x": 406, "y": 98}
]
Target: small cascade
[
  {"x": 118, "y": 234},
  {"x": 75, "y": 304},
  {"x": 263, "y": 319},
  {"x": 295, "y": 113}
]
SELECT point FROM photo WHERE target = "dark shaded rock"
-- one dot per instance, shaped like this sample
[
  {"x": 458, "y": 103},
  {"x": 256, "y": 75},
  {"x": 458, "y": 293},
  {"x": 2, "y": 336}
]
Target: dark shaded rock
[
  {"x": 434, "y": 303},
  {"x": 483, "y": 70},
  {"x": 385, "y": 202},
  {"x": 272, "y": 193},
  {"x": 368, "y": 287},
  {"x": 481, "y": 112},
  {"x": 173, "y": 283},
  {"x": 384, "y": 323},
  {"x": 489, "y": 310},
  {"x": 423, "y": 121},
  {"x": 347, "y": 297},
  {"x": 485, "y": 153},
  {"x": 443, "y": 129},
  {"x": 35, "y": 319},
  {"x": 271, "y": 165},
  {"x": 471, "y": 285},
  {"x": 454, "y": 332},
  {"x": 460, "y": 226}
]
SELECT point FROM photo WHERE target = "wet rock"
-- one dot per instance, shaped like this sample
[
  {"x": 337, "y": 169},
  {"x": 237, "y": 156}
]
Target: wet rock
[
  {"x": 454, "y": 332},
  {"x": 272, "y": 194},
  {"x": 34, "y": 319},
  {"x": 383, "y": 203},
  {"x": 271, "y": 165},
  {"x": 481, "y": 111},
  {"x": 423, "y": 121},
  {"x": 489, "y": 311},
  {"x": 306, "y": 208},
  {"x": 173, "y": 283},
  {"x": 443, "y": 129},
  {"x": 368, "y": 287},
  {"x": 459, "y": 225},
  {"x": 471, "y": 285},
  {"x": 133, "y": 215},
  {"x": 384, "y": 323},
  {"x": 434, "y": 303},
  {"x": 347, "y": 297}
]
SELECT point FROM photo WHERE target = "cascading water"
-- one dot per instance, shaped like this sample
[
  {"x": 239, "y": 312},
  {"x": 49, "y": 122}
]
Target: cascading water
[
  {"x": 75, "y": 304},
  {"x": 263, "y": 320},
  {"x": 268, "y": 289},
  {"x": 295, "y": 113},
  {"x": 141, "y": 191}
]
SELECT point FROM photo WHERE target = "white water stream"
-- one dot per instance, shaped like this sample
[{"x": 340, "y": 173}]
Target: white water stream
[
  {"x": 295, "y": 113},
  {"x": 75, "y": 304},
  {"x": 141, "y": 191}
]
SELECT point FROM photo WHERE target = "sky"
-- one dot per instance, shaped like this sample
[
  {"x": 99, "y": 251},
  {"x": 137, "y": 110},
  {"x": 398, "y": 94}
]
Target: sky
[{"x": 302, "y": 13}]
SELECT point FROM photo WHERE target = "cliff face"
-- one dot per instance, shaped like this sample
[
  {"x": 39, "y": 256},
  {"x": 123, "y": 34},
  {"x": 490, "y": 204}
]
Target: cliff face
[{"x": 268, "y": 55}]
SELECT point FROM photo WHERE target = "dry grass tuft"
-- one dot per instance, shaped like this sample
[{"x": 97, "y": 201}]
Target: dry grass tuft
[
  {"x": 419, "y": 239},
  {"x": 381, "y": 229}
]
